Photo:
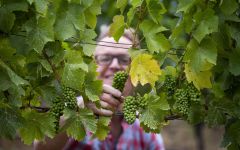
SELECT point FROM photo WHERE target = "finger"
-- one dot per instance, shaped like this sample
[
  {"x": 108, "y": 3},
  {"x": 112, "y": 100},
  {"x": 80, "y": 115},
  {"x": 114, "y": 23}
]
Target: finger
[
  {"x": 105, "y": 105},
  {"x": 110, "y": 90},
  {"x": 110, "y": 99},
  {"x": 100, "y": 111}
]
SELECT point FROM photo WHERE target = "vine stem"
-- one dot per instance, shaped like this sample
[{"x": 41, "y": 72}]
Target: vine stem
[
  {"x": 166, "y": 118},
  {"x": 52, "y": 66},
  {"x": 39, "y": 109}
]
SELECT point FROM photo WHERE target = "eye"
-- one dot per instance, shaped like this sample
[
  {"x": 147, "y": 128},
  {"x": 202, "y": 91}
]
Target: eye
[
  {"x": 124, "y": 60},
  {"x": 103, "y": 59}
]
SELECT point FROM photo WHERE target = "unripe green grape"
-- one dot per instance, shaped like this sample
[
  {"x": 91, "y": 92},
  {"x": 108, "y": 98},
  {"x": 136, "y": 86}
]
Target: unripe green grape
[
  {"x": 169, "y": 85},
  {"x": 119, "y": 80},
  {"x": 56, "y": 111},
  {"x": 193, "y": 93},
  {"x": 141, "y": 101},
  {"x": 69, "y": 96},
  {"x": 129, "y": 109},
  {"x": 182, "y": 103}
]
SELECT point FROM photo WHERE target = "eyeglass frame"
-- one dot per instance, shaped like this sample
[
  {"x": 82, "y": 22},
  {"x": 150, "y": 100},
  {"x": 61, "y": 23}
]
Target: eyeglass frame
[{"x": 118, "y": 56}]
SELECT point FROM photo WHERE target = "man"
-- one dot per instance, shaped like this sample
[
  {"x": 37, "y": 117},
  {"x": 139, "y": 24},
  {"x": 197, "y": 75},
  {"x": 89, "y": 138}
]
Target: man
[{"x": 112, "y": 57}]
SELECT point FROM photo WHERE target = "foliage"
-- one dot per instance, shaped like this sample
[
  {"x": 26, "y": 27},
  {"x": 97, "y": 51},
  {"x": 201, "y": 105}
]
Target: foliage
[{"x": 47, "y": 44}]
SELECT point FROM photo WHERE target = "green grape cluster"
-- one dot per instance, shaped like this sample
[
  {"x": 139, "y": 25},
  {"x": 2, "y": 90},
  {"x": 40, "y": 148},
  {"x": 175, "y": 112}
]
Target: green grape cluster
[
  {"x": 69, "y": 96},
  {"x": 193, "y": 93},
  {"x": 182, "y": 103},
  {"x": 169, "y": 85},
  {"x": 141, "y": 101},
  {"x": 57, "y": 111},
  {"x": 119, "y": 80},
  {"x": 129, "y": 109}
]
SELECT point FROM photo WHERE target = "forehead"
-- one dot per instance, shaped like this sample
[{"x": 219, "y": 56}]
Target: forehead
[{"x": 108, "y": 45}]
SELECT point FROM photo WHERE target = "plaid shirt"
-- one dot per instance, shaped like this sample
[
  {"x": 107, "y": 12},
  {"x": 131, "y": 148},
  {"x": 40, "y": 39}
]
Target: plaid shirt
[{"x": 132, "y": 138}]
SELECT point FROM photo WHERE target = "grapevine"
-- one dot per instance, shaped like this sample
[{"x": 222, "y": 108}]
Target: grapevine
[{"x": 46, "y": 45}]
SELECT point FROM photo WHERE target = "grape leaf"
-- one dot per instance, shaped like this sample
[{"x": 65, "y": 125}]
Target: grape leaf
[
  {"x": 208, "y": 24},
  {"x": 41, "y": 6},
  {"x": 17, "y": 80},
  {"x": 68, "y": 21},
  {"x": 10, "y": 120},
  {"x": 87, "y": 3},
  {"x": 155, "y": 41},
  {"x": 36, "y": 126},
  {"x": 7, "y": 19},
  {"x": 144, "y": 69},
  {"x": 73, "y": 76},
  {"x": 88, "y": 43},
  {"x": 4, "y": 80},
  {"x": 76, "y": 15},
  {"x": 185, "y": 5},
  {"x": 95, "y": 8},
  {"x": 102, "y": 127},
  {"x": 235, "y": 34},
  {"x": 46, "y": 65},
  {"x": 234, "y": 63},
  {"x": 93, "y": 87},
  {"x": 155, "y": 10},
  {"x": 130, "y": 16},
  {"x": 233, "y": 132},
  {"x": 228, "y": 7},
  {"x": 163, "y": 103},
  {"x": 30, "y": 1},
  {"x": 39, "y": 33},
  {"x": 92, "y": 12},
  {"x": 20, "y": 44},
  {"x": 6, "y": 50},
  {"x": 93, "y": 93},
  {"x": 117, "y": 27},
  {"x": 80, "y": 123},
  {"x": 48, "y": 93},
  {"x": 200, "y": 79},
  {"x": 214, "y": 117},
  {"x": 74, "y": 58},
  {"x": 16, "y": 5},
  {"x": 136, "y": 3},
  {"x": 201, "y": 57},
  {"x": 91, "y": 19},
  {"x": 153, "y": 115},
  {"x": 121, "y": 4}
]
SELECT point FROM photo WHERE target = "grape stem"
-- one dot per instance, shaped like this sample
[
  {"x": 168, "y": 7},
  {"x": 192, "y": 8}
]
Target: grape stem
[{"x": 39, "y": 109}]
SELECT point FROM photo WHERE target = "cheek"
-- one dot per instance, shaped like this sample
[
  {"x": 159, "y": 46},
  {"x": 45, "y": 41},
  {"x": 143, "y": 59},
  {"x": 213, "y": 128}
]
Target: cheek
[{"x": 101, "y": 71}]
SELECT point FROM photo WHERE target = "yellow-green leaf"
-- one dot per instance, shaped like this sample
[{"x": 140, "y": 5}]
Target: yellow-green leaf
[
  {"x": 144, "y": 69},
  {"x": 201, "y": 79},
  {"x": 117, "y": 27}
]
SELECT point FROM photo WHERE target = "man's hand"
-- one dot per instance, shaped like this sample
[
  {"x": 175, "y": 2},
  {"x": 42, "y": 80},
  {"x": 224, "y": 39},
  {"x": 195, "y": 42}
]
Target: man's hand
[{"x": 109, "y": 100}]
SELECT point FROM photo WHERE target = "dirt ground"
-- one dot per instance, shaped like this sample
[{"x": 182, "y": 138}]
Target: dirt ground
[{"x": 178, "y": 135}]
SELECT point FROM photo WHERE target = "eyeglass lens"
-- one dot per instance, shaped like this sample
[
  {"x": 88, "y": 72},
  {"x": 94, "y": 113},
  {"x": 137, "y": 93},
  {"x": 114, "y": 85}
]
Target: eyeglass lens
[{"x": 107, "y": 59}]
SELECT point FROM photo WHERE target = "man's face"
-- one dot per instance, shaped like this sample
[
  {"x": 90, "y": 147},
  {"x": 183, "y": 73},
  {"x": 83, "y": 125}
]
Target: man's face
[{"x": 111, "y": 59}]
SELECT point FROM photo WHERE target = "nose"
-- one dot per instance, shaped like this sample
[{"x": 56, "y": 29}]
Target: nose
[{"x": 115, "y": 64}]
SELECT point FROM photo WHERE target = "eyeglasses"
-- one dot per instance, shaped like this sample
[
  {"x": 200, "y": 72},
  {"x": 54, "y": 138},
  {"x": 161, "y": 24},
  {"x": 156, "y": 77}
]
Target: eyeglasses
[{"x": 107, "y": 59}]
